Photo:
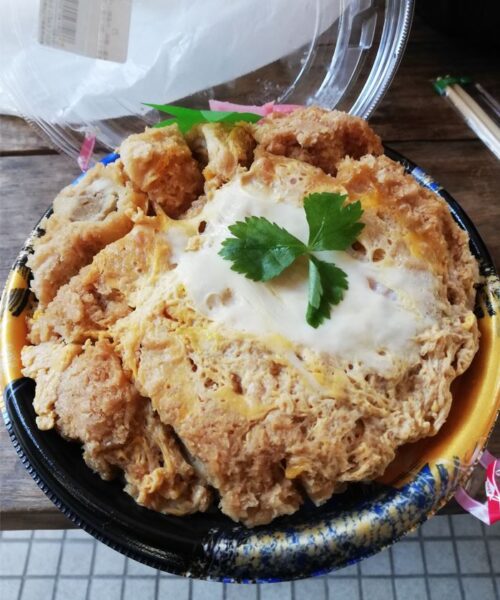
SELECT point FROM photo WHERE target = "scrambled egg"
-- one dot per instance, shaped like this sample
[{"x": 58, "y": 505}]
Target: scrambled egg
[{"x": 187, "y": 378}]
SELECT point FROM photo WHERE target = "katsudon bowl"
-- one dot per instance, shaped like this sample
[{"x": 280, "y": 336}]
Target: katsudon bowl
[{"x": 352, "y": 525}]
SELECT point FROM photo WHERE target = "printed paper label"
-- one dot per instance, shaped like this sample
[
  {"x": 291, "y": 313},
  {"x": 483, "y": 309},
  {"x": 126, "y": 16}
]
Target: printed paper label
[{"x": 94, "y": 28}]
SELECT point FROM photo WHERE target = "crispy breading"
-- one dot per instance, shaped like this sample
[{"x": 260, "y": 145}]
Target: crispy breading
[
  {"x": 422, "y": 222},
  {"x": 46, "y": 363},
  {"x": 86, "y": 218},
  {"x": 316, "y": 136},
  {"x": 264, "y": 420},
  {"x": 221, "y": 149},
  {"x": 254, "y": 416},
  {"x": 102, "y": 292},
  {"x": 83, "y": 392},
  {"x": 159, "y": 163},
  {"x": 252, "y": 419}
]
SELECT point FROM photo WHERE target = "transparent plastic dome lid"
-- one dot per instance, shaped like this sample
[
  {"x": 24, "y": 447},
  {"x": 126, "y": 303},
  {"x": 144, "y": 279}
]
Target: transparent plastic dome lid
[{"x": 73, "y": 67}]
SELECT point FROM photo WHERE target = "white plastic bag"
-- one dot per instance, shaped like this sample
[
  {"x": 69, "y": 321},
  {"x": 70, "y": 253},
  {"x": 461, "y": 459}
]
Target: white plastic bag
[{"x": 175, "y": 48}]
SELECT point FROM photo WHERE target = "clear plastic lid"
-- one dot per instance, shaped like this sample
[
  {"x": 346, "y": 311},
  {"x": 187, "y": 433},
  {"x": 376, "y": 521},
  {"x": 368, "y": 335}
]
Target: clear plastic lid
[{"x": 333, "y": 53}]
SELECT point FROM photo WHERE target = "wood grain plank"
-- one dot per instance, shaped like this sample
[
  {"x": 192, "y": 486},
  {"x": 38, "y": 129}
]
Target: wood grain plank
[
  {"x": 18, "y": 137},
  {"x": 23, "y": 505},
  {"x": 411, "y": 110},
  {"x": 28, "y": 184}
]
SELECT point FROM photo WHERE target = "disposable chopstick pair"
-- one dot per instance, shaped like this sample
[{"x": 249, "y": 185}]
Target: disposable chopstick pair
[
  {"x": 474, "y": 115},
  {"x": 489, "y": 99}
]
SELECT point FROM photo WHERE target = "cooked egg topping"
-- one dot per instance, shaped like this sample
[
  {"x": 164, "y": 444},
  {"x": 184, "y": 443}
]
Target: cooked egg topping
[
  {"x": 376, "y": 323},
  {"x": 197, "y": 384}
]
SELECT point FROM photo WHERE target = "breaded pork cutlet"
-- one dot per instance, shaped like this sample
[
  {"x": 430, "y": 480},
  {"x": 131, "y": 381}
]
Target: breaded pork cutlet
[
  {"x": 84, "y": 393},
  {"x": 316, "y": 136},
  {"x": 267, "y": 420},
  {"x": 221, "y": 149},
  {"x": 104, "y": 291},
  {"x": 168, "y": 366},
  {"x": 86, "y": 217},
  {"x": 160, "y": 164}
]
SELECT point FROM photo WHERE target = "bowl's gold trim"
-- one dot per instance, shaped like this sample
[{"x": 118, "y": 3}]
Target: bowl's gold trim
[{"x": 13, "y": 332}]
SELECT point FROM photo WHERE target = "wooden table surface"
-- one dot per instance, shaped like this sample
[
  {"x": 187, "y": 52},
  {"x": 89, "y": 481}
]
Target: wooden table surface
[{"x": 411, "y": 118}]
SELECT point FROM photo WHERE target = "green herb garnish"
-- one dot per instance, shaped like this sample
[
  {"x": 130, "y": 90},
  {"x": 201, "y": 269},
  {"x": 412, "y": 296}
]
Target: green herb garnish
[
  {"x": 261, "y": 250},
  {"x": 188, "y": 117}
]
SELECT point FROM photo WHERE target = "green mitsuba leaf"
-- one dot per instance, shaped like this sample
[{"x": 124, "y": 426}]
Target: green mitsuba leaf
[
  {"x": 332, "y": 225},
  {"x": 260, "y": 250},
  {"x": 327, "y": 284}
]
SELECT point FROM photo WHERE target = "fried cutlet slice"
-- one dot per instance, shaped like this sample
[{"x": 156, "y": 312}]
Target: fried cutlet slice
[
  {"x": 261, "y": 430},
  {"x": 268, "y": 421},
  {"x": 221, "y": 149},
  {"x": 316, "y": 136},
  {"x": 103, "y": 291},
  {"x": 160, "y": 164},
  {"x": 84, "y": 393},
  {"x": 46, "y": 363},
  {"x": 409, "y": 222},
  {"x": 260, "y": 427},
  {"x": 87, "y": 216},
  {"x": 192, "y": 396},
  {"x": 263, "y": 419},
  {"x": 241, "y": 410}
]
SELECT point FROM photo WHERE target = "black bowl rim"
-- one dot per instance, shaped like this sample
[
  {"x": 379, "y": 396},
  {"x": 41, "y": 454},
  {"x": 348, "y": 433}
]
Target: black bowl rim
[{"x": 89, "y": 517}]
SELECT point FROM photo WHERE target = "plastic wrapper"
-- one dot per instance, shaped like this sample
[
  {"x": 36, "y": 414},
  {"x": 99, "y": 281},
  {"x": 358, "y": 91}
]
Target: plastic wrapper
[{"x": 187, "y": 52}]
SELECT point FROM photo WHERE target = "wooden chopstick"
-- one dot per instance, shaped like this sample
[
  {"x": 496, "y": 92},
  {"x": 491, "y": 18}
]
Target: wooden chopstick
[
  {"x": 477, "y": 119},
  {"x": 478, "y": 110},
  {"x": 489, "y": 99}
]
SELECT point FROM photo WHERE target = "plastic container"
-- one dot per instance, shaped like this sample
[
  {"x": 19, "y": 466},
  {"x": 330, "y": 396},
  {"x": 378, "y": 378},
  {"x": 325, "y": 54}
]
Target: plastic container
[{"x": 334, "y": 53}]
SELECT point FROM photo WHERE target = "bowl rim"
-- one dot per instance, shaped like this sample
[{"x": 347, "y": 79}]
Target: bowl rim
[{"x": 86, "y": 515}]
